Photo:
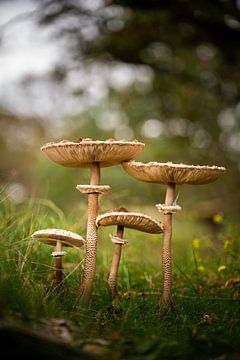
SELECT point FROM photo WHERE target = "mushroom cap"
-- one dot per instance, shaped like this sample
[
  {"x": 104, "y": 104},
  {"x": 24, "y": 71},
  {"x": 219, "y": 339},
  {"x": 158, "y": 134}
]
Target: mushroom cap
[
  {"x": 51, "y": 236},
  {"x": 165, "y": 173},
  {"x": 130, "y": 220},
  {"x": 84, "y": 153}
]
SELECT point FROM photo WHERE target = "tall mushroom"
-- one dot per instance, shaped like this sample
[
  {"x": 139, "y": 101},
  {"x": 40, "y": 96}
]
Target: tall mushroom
[
  {"x": 93, "y": 154},
  {"x": 170, "y": 174},
  {"x": 122, "y": 218},
  {"x": 58, "y": 238}
]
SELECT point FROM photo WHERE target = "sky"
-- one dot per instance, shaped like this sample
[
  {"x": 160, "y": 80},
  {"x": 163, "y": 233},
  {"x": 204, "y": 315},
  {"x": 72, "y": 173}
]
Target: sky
[
  {"x": 23, "y": 40},
  {"x": 26, "y": 50},
  {"x": 30, "y": 51}
]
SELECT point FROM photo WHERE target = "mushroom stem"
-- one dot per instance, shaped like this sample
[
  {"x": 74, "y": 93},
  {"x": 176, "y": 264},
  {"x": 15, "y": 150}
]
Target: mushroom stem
[
  {"x": 112, "y": 280},
  {"x": 91, "y": 240},
  {"x": 166, "y": 252},
  {"x": 58, "y": 263}
]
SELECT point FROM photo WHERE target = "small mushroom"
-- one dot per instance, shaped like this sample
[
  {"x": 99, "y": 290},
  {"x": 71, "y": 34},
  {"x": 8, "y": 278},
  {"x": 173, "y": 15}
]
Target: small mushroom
[
  {"x": 93, "y": 154},
  {"x": 170, "y": 174},
  {"x": 58, "y": 238},
  {"x": 122, "y": 218}
]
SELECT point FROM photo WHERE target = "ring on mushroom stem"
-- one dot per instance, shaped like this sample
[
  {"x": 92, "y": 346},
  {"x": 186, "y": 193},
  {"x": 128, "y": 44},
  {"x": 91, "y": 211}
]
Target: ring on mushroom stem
[
  {"x": 122, "y": 218},
  {"x": 93, "y": 154},
  {"x": 168, "y": 209},
  {"x": 118, "y": 240},
  {"x": 93, "y": 189},
  {"x": 171, "y": 175},
  {"x": 58, "y": 238}
]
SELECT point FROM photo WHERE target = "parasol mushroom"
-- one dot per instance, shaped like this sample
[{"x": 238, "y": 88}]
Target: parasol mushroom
[
  {"x": 170, "y": 174},
  {"x": 58, "y": 238},
  {"x": 93, "y": 154},
  {"x": 122, "y": 218}
]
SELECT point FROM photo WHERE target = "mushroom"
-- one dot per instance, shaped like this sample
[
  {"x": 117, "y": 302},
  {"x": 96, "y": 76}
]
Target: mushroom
[
  {"x": 122, "y": 218},
  {"x": 170, "y": 174},
  {"x": 93, "y": 154},
  {"x": 58, "y": 238}
]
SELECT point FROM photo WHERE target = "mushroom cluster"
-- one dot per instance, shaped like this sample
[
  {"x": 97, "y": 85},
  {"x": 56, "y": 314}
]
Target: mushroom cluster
[{"x": 94, "y": 154}]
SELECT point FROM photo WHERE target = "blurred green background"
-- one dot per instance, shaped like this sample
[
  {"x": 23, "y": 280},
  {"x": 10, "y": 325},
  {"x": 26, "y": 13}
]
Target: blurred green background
[{"x": 163, "y": 72}]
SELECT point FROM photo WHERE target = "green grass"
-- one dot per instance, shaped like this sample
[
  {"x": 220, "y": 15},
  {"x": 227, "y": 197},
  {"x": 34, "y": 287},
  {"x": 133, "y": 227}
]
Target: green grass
[{"x": 205, "y": 323}]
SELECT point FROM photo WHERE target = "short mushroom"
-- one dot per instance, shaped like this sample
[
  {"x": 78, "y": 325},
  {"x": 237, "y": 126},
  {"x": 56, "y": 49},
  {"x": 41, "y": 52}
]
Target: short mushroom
[
  {"x": 170, "y": 174},
  {"x": 58, "y": 238},
  {"x": 122, "y": 218},
  {"x": 93, "y": 154}
]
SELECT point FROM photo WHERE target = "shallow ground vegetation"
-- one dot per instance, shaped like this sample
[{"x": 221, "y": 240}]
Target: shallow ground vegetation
[{"x": 205, "y": 320}]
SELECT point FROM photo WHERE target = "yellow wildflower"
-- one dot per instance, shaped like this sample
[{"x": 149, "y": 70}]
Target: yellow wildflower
[
  {"x": 196, "y": 243},
  {"x": 227, "y": 243},
  {"x": 218, "y": 218},
  {"x": 221, "y": 268},
  {"x": 201, "y": 268}
]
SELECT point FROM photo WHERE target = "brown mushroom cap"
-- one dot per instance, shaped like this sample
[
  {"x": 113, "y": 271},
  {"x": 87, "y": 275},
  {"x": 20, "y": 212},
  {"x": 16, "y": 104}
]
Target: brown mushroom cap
[
  {"x": 87, "y": 151},
  {"x": 51, "y": 236},
  {"x": 131, "y": 220},
  {"x": 164, "y": 173}
]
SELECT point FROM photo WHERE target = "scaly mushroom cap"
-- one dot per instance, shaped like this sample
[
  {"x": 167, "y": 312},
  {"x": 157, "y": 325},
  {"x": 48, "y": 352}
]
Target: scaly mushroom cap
[
  {"x": 51, "y": 236},
  {"x": 131, "y": 220},
  {"x": 86, "y": 151},
  {"x": 164, "y": 173}
]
